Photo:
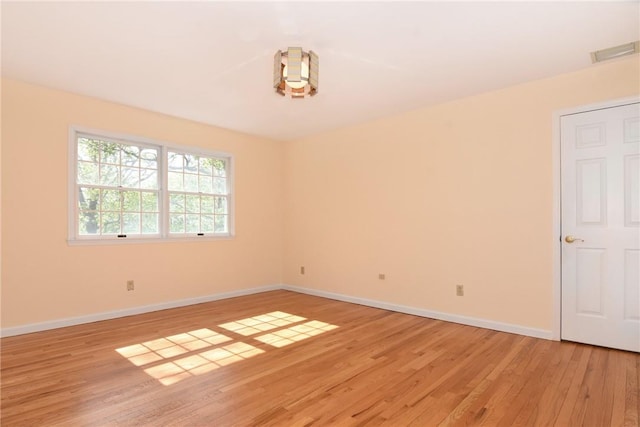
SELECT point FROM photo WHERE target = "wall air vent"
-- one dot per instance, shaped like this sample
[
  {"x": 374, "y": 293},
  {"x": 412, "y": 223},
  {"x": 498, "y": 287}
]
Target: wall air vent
[{"x": 615, "y": 52}]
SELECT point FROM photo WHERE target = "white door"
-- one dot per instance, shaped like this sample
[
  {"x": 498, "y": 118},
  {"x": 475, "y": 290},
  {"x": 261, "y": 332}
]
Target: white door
[{"x": 600, "y": 164}]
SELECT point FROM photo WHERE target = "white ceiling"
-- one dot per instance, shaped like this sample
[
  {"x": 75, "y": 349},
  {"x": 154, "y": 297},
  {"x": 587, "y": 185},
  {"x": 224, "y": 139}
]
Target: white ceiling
[{"x": 212, "y": 61}]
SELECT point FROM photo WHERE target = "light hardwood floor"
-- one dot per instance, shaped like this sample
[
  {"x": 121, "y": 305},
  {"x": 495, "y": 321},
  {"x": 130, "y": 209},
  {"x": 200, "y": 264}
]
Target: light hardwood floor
[{"x": 287, "y": 359}]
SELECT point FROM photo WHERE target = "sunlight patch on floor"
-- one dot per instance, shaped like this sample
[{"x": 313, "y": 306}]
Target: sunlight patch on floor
[
  {"x": 172, "y": 346},
  {"x": 264, "y": 322},
  {"x": 201, "y": 363},
  {"x": 295, "y": 333},
  {"x": 173, "y": 358}
]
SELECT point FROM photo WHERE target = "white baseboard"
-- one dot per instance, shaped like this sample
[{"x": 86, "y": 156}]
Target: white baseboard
[
  {"x": 71, "y": 321},
  {"x": 465, "y": 320},
  {"x": 471, "y": 321}
]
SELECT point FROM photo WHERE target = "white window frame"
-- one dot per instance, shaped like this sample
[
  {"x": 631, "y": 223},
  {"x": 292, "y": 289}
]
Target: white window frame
[{"x": 74, "y": 238}]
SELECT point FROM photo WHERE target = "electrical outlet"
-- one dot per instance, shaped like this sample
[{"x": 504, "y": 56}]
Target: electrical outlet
[
  {"x": 130, "y": 285},
  {"x": 460, "y": 290},
  {"x": 302, "y": 269},
  {"x": 381, "y": 276}
]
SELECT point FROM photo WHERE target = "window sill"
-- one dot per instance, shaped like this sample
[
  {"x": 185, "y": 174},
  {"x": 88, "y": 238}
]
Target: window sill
[{"x": 129, "y": 241}]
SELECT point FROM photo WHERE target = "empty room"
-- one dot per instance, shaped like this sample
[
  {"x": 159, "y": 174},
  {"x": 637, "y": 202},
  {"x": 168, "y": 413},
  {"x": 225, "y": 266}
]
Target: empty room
[{"x": 320, "y": 213}]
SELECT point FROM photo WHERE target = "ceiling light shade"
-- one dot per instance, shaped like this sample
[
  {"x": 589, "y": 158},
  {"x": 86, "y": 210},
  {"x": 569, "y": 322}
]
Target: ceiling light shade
[
  {"x": 615, "y": 52},
  {"x": 295, "y": 73}
]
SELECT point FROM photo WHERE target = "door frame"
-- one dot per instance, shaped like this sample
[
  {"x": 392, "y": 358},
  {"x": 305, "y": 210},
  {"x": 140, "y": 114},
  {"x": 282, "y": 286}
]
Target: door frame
[{"x": 557, "y": 202}]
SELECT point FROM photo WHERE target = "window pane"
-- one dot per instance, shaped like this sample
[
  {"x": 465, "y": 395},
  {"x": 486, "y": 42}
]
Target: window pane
[
  {"x": 175, "y": 181},
  {"x": 190, "y": 163},
  {"x": 206, "y": 166},
  {"x": 149, "y": 158},
  {"x": 220, "y": 225},
  {"x": 193, "y": 203},
  {"x": 149, "y": 202},
  {"x": 219, "y": 167},
  {"x": 88, "y": 150},
  {"x": 110, "y": 200},
  {"x": 191, "y": 183},
  {"x": 148, "y": 179},
  {"x": 131, "y": 223},
  {"x": 221, "y": 205},
  {"x": 110, "y": 153},
  {"x": 89, "y": 223},
  {"x": 207, "y": 204},
  {"x": 176, "y": 202},
  {"x": 176, "y": 162},
  {"x": 220, "y": 185},
  {"x": 89, "y": 198},
  {"x": 109, "y": 175},
  {"x": 150, "y": 223},
  {"x": 206, "y": 184},
  {"x": 110, "y": 223},
  {"x": 193, "y": 223},
  {"x": 87, "y": 173},
  {"x": 130, "y": 177},
  {"x": 207, "y": 224},
  {"x": 176, "y": 223},
  {"x": 131, "y": 201},
  {"x": 130, "y": 155}
]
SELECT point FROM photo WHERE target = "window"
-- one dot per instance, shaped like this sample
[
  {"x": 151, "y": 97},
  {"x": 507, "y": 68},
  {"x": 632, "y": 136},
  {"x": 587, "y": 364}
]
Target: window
[
  {"x": 124, "y": 188},
  {"x": 118, "y": 188},
  {"x": 197, "y": 194}
]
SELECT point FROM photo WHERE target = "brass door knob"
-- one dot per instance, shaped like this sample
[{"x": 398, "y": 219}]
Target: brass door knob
[{"x": 571, "y": 239}]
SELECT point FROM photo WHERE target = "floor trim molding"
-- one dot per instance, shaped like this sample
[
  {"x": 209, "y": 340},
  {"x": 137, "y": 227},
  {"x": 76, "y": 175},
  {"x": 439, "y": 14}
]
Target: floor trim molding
[
  {"x": 455, "y": 318},
  {"x": 72, "y": 321},
  {"x": 448, "y": 317}
]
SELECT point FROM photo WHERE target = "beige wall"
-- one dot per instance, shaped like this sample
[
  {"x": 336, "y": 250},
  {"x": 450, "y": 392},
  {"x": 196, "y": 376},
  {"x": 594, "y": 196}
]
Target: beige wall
[
  {"x": 460, "y": 193},
  {"x": 44, "y": 279}
]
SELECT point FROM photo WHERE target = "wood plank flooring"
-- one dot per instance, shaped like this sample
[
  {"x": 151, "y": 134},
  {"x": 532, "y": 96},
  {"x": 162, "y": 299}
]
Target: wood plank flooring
[{"x": 286, "y": 359}]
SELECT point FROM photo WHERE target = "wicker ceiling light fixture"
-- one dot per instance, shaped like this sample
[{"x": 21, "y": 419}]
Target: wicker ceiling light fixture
[{"x": 295, "y": 73}]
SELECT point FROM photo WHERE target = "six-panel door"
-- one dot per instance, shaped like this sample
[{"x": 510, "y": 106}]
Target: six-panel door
[{"x": 600, "y": 166}]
